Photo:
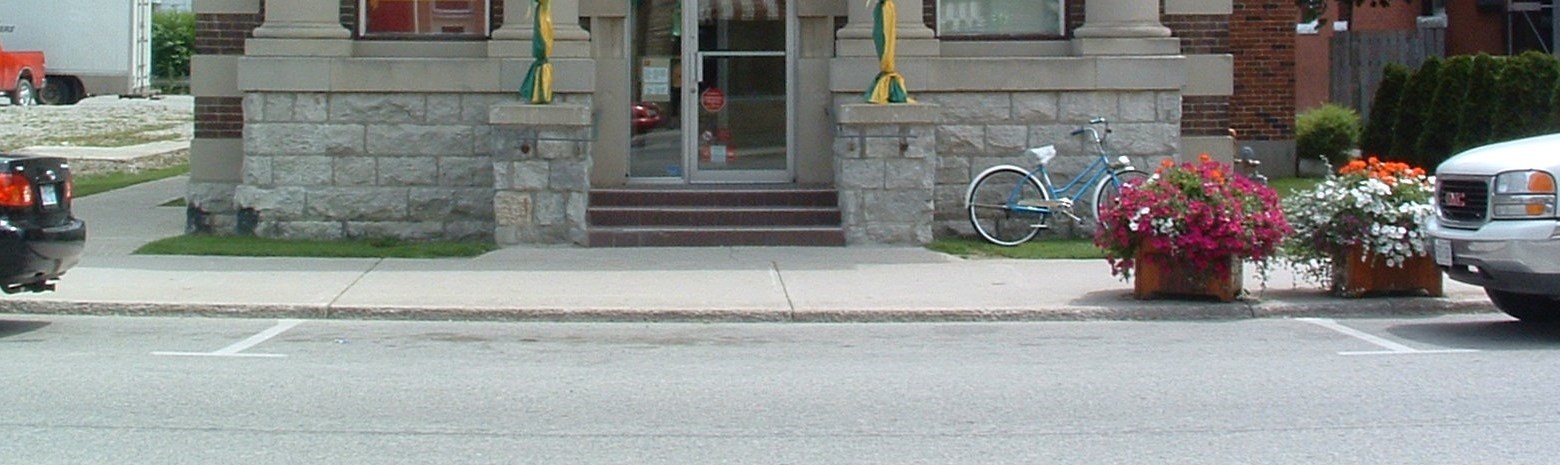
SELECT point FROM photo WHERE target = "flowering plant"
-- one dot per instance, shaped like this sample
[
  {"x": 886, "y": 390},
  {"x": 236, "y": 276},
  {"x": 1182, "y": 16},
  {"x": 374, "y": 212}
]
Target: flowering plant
[
  {"x": 1200, "y": 213},
  {"x": 1373, "y": 205}
]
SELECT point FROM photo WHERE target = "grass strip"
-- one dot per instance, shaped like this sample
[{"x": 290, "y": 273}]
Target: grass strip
[
  {"x": 89, "y": 184},
  {"x": 1035, "y": 249},
  {"x": 1286, "y": 187},
  {"x": 249, "y": 246}
]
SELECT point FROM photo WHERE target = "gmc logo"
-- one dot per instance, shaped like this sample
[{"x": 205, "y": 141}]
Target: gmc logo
[{"x": 1455, "y": 199}]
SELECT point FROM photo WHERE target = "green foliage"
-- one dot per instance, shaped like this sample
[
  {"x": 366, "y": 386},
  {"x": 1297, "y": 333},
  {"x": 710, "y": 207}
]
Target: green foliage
[
  {"x": 1523, "y": 93},
  {"x": 88, "y": 184},
  {"x": 1474, "y": 123},
  {"x": 1377, "y": 138},
  {"x": 173, "y": 41},
  {"x": 1440, "y": 120},
  {"x": 1312, "y": 10},
  {"x": 1411, "y": 108},
  {"x": 1040, "y": 249},
  {"x": 1328, "y": 131}
]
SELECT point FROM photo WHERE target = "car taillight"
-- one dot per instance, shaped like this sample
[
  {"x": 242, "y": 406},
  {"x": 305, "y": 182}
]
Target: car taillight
[{"x": 15, "y": 191}]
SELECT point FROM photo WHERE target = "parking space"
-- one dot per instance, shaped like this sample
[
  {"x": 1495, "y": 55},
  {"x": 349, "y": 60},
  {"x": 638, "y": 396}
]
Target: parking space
[{"x": 272, "y": 338}]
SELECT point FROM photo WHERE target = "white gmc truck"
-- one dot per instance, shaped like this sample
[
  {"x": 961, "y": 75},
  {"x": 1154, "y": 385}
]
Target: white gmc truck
[{"x": 1495, "y": 224}]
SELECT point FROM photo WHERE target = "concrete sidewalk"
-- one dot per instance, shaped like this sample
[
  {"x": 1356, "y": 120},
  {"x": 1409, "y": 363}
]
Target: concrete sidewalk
[{"x": 635, "y": 284}]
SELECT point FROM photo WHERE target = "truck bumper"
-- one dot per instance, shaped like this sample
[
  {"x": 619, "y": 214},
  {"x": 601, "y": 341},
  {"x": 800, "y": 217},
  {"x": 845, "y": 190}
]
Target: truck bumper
[{"x": 1512, "y": 256}]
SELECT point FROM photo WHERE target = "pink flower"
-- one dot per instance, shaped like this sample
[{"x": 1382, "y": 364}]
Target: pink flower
[{"x": 1196, "y": 213}]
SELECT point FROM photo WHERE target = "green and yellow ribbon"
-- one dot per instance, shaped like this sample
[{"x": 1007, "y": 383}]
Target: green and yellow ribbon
[
  {"x": 537, "y": 87},
  {"x": 889, "y": 87}
]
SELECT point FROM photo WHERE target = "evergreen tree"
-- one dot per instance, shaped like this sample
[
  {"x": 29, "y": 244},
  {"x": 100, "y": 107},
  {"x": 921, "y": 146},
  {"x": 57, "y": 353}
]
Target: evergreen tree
[
  {"x": 1524, "y": 97},
  {"x": 1440, "y": 119},
  {"x": 1411, "y": 107},
  {"x": 1474, "y": 122},
  {"x": 1377, "y": 139}
]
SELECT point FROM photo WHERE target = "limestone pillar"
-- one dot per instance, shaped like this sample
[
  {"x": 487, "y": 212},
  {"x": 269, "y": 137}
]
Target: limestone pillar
[
  {"x": 915, "y": 39},
  {"x": 301, "y": 28},
  {"x": 513, "y": 38},
  {"x": 885, "y": 169},
  {"x": 541, "y": 172},
  {"x": 1123, "y": 27}
]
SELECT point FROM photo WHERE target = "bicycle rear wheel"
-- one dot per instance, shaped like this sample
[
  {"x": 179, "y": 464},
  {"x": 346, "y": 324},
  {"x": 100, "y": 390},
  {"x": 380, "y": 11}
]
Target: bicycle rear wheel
[
  {"x": 1108, "y": 190},
  {"x": 991, "y": 202}
]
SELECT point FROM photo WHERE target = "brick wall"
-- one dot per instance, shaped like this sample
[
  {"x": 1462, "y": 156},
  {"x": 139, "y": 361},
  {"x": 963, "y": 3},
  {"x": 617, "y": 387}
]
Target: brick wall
[
  {"x": 222, "y": 34},
  {"x": 1262, "y": 38},
  {"x": 1201, "y": 35}
]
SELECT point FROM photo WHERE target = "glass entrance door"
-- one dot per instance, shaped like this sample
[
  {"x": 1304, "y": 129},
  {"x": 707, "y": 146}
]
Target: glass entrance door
[
  {"x": 738, "y": 99},
  {"x": 711, "y": 86}
]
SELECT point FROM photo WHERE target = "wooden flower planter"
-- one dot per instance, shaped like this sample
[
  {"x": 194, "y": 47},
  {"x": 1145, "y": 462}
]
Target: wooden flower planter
[
  {"x": 1159, "y": 275},
  {"x": 1354, "y": 277}
]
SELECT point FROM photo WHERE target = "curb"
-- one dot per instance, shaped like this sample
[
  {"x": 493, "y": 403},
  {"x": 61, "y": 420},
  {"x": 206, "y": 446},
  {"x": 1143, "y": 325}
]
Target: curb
[{"x": 1129, "y": 311}]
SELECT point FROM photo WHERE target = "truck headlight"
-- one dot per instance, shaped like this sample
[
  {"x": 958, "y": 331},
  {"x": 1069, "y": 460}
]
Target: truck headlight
[{"x": 1524, "y": 195}]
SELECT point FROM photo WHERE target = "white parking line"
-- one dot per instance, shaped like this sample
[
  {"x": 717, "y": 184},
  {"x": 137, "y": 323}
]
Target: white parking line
[
  {"x": 235, "y": 349},
  {"x": 1393, "y": 348}
]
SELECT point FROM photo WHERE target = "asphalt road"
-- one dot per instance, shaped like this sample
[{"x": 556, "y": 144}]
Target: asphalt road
[{"x": 120, "y": 390}]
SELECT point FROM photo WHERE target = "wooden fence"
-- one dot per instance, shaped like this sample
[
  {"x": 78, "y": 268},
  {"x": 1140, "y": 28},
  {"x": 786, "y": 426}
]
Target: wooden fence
[{"x": 1358, "y": 58}]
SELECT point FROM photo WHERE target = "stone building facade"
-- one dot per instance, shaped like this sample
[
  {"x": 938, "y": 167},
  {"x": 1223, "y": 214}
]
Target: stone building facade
[{"x": 311, "y": 125}]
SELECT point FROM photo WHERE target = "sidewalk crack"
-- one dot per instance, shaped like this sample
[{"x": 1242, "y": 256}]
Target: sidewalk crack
[
  {"x": 774, "y": 271},
  {"x": 332, "y": 305}
]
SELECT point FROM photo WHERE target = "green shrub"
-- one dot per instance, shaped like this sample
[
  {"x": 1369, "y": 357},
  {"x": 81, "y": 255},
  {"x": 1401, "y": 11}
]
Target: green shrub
[
  {"x": 1377, "y": 138},
  {"x": 1411, "y": 109},
  {"x": 1440, "y": 119},
  {"x": 173, "y": 41},
  {"x": 1474, "y": 120},
  {"x": 1525, "y": 88},
  {"x": 1328, "y": 131}
]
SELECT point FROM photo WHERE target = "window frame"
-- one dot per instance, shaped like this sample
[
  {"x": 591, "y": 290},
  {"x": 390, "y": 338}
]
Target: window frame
[
  {"x": 485, "y": 9},
  {"x": 1061, "y": 28}
]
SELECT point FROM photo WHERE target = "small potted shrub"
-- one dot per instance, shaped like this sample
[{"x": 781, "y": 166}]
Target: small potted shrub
[
  {"x": 1187, "y": 229},
  {"x": 1359, "y": 231},
  {"x": 1328, "y": 132}
]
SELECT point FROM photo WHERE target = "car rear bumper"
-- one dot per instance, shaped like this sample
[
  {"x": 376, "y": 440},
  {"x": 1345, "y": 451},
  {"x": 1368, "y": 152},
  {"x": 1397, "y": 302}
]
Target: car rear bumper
[{"x": 32, "y": 256}]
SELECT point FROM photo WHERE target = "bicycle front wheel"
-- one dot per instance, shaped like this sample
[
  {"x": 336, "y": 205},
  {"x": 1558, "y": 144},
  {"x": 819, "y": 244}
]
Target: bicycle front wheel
[
  {"x": 1108, "y": 190},
  {"x": 1004, "y": 208}
]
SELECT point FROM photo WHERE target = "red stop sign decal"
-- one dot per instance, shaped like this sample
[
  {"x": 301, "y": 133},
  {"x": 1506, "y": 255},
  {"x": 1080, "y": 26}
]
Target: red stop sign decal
[{"x": 713, "y": 100}]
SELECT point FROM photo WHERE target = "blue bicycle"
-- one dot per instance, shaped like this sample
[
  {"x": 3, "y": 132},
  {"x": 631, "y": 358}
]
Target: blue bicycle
[{"x": 1009, "y": 205}]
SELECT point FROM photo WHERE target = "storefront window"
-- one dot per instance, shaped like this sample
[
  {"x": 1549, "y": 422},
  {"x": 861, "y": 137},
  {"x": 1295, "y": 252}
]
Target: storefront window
[
  {"x": 999, "y": 18},
  {"x": 425, "y": 17}
]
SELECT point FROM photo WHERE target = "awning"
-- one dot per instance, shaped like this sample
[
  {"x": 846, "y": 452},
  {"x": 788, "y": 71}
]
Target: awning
[{"x": 742, "y": 10}]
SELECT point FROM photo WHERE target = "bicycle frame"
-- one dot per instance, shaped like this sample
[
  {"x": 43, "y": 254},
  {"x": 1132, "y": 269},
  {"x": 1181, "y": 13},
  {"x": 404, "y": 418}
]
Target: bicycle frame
[{"x": 1075, "y": 187}]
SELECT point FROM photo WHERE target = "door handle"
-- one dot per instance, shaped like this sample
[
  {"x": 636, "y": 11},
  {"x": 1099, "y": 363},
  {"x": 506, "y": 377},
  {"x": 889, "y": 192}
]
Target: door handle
[{"x": 698, "y": 69}]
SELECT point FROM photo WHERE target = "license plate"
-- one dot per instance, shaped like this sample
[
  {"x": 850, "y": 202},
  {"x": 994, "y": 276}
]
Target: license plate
[
  {"x": 1443, "y": 252},
  {"x": 49, "y": 196}
]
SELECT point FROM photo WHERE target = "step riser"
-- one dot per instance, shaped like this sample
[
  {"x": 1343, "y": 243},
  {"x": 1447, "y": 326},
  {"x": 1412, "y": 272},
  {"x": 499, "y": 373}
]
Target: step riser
[
  {"x": 713, "y": 217},
  {"x": 691, "y": 217},
  {"x": 696, "y": 198},
  {"x": 710, "y": 238}
]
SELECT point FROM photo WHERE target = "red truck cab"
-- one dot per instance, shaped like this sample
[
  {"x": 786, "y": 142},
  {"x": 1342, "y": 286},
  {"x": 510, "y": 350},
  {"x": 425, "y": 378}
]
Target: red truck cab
[{"x": 21, "y": 75}]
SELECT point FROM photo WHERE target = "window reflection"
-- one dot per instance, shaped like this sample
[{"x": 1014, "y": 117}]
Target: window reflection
[{"x": 426, "y": 17}]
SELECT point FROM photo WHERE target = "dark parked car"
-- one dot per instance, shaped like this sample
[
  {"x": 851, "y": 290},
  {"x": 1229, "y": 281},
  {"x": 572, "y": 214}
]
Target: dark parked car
[{"x": 39, "y": 238}]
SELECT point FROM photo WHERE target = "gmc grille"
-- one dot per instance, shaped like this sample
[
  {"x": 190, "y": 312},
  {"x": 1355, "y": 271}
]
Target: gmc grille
[{"x": 1464, "y": 201}]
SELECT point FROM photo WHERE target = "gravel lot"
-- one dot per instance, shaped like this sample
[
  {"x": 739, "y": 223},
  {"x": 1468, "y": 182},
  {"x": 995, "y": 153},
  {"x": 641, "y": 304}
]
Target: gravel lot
[{"x": 98, "y": 121}]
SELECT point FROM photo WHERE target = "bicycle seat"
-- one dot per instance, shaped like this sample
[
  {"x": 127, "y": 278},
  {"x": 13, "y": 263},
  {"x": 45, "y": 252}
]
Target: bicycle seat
[{"x": 1044, "y": 153}]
